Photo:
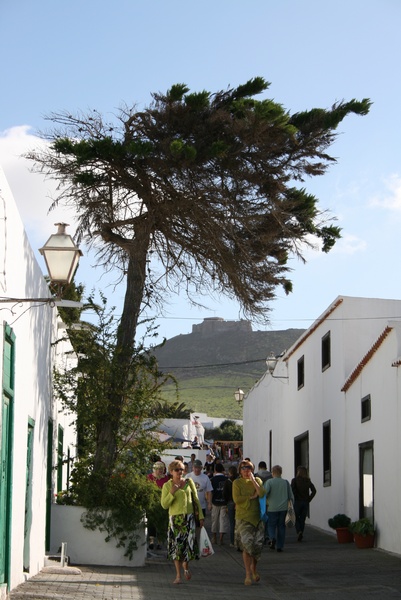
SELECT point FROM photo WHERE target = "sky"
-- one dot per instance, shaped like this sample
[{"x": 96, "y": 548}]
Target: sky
[{"x": 79, "y": 56}]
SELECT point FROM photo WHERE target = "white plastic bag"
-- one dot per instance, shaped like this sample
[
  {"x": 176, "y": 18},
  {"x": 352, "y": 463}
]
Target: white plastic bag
[{"x": 205, "y": 546}]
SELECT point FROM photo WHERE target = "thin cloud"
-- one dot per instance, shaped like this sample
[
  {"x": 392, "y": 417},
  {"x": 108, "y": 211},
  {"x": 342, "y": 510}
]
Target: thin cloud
[
  {"x": 392, "y": 199},
  {"x": 349, "y": 244}
]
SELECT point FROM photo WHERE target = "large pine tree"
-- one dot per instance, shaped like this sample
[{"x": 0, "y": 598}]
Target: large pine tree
[{"x": 211, "y": 185}]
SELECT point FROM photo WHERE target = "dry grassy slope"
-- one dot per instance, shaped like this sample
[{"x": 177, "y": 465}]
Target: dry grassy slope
[{"x": 209, "y": 368}]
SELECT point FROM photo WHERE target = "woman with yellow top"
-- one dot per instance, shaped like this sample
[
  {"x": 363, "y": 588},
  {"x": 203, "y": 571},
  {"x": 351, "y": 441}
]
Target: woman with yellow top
[
  {"x": 249, "y": 528},
  {"x": 177, "y": 496}
]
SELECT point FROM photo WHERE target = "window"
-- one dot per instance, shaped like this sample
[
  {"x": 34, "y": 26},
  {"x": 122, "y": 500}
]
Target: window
[
  {"x": 301, "y": 372},
  {"x": 327, "y": 454},
  {"x": 365, "y": 409},
  {"x": 326, "y": 351}
]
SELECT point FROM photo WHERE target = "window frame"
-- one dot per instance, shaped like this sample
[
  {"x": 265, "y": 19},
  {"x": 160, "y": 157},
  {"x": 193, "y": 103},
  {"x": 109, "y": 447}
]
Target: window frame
[
  {"x": 326, "y": 453},
  {"x": 326, "y": 351},
  {"x": 301, "y": 372},
  {"x": 366, "y": 401}
]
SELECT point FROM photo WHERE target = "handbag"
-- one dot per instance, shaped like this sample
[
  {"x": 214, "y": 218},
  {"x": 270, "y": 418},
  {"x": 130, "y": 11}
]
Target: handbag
[
  {"x": 290, "y": 516},
  {"x": 205, "y": 545},
  {"x": 195, "y": 508},
  {"x": 262, "y": 509}
]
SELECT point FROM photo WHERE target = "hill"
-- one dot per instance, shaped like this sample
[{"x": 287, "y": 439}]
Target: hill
[{"x": 214, "y": 360}]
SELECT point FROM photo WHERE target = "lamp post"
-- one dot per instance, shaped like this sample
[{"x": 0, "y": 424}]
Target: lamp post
[
  {"x": 239, "y": 395},
  {"x": 61, "y": 257}
]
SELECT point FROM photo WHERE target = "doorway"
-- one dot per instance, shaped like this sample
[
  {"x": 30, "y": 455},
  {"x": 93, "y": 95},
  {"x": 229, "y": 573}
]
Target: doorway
[
  {"x": 301, "y": 451},
  {"x": 366, "y": 481}
]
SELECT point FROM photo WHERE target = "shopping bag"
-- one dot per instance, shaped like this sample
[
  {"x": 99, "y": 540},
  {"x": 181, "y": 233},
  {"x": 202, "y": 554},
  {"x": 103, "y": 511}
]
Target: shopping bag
[
  {"x": 290, "y": 516},
  {"x": 205, "y": 546}
]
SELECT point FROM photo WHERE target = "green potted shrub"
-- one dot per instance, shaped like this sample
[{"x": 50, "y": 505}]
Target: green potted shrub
[
  {"x": 364, "y": 533},
  {"x": 341, "y": 523}
]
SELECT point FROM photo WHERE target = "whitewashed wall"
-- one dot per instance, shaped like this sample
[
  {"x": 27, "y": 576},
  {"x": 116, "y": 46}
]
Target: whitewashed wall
[
  {"x": 277, "y": 405},
  {"x": 86, "y": 547},
  {"x": 35, "y": 328}
]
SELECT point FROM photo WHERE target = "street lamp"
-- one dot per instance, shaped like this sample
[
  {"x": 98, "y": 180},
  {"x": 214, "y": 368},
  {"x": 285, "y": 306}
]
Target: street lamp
[
  {"x": 61, "y": 257},
  {"x": 239, "y": 395},
  {"x": 271, "y": 362}
]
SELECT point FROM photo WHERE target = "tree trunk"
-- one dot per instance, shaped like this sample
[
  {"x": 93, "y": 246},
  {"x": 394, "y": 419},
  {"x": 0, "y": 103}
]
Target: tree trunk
[{"x": 122, "y": 368}]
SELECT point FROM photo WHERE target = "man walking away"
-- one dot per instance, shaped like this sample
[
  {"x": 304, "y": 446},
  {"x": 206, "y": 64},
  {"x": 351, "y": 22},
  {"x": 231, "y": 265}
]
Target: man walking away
[{"x": 220, "y": 522}]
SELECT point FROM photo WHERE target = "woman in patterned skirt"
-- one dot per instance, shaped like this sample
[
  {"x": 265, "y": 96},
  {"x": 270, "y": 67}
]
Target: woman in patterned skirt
[
  {"x": 178, "y": 496},
  {"x": 249, "y": 528}
]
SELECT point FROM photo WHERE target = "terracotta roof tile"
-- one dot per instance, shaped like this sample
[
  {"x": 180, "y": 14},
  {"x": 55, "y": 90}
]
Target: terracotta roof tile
[
  {"x": 361, "y": 365},
  {"x": 312, "y": 329}
]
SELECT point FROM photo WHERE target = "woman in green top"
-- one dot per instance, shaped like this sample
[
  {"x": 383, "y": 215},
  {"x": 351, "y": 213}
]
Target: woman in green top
[
  {"x": 249, "y": 528},
  {"x": 177, "y": 496}
]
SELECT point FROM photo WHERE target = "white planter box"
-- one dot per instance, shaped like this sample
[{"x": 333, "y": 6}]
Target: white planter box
[{"x": 86, "y": 547}]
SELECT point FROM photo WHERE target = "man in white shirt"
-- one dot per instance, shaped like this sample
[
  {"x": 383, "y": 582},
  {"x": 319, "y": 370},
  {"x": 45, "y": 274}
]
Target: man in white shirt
[{"x": 202, "y": 484}]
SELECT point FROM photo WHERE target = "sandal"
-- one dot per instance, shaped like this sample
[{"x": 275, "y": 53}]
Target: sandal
[
  {"x": 248, "y": 581},
  {"x": 177, "y": 581},
  {"x": 256, "y": 576},
  {"x": 187, "y": 574}
]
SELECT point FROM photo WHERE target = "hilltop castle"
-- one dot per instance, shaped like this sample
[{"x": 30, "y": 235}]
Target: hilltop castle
[{"x": 213, "y": 325}]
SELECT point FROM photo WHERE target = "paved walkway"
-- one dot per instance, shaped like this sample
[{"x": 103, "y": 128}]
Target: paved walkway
[{"x": 316, "y": 569}]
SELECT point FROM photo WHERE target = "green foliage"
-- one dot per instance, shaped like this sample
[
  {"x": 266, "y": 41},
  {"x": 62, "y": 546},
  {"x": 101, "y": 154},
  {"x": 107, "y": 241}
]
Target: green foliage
[
  {"x": 228, "y": 431},
  {"x": 166, "y": 410},
  {"x": 198, "y": 101},
  {"x": 129, "y": 497},
  {"x": 176, "y": 92},
  {"x": 116, "y": 501},
  {"x": 363, "y": 527},
  {"x": 339, "y": 520}
]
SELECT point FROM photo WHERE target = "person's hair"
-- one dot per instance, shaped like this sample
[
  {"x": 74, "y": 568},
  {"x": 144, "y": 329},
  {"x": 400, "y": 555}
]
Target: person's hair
[
  {"x": 175, "y": 464},
  {"x": 302, "y": 472},
  {"x": 159, "y": 465},
  {"x": 219, "y": 468},
  {"x": 246, "y": 462},
  {"x": 262, "y": 465},
  {"x": 232, "y": 471},
  {"x": 277, "y": 470},
  {"x": 179, "y": 457}
]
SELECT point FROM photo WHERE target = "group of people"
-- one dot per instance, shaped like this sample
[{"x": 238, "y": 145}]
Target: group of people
[{"x": 233, "y": 502}]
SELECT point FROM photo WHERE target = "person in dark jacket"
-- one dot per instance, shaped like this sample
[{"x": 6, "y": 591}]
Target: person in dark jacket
[
  {"x": 304, "y": 491},
  {"x": 228, "y": 496}
]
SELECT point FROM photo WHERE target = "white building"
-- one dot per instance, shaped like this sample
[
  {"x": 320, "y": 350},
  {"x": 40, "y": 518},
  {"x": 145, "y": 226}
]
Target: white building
[
  {"x": 333, "y": 404},
  {"x": 37, "y": 440}
]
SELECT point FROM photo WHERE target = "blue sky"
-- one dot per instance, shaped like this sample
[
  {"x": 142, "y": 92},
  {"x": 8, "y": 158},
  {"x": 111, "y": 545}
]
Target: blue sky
[{"x": 81, "y": 55}]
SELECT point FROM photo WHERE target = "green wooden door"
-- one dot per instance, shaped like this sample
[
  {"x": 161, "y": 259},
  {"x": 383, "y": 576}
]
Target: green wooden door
[
  {"x": 5, "y": 489},
  {"x": 28, "y": 496},
  {"x": 49, "y": 480},
  {"x": 6, "y": 445}
]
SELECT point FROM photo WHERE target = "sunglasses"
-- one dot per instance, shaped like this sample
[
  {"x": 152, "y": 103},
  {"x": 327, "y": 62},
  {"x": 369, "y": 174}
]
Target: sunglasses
[
  {"x": 246, "y": 467},
  {"x": 177, "y": 470}
]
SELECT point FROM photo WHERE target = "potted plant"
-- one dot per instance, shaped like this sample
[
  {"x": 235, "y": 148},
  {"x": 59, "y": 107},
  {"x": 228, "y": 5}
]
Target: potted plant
[
  {"x": 364, "y": 533},
  {"x": 341, "y": 523}
]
